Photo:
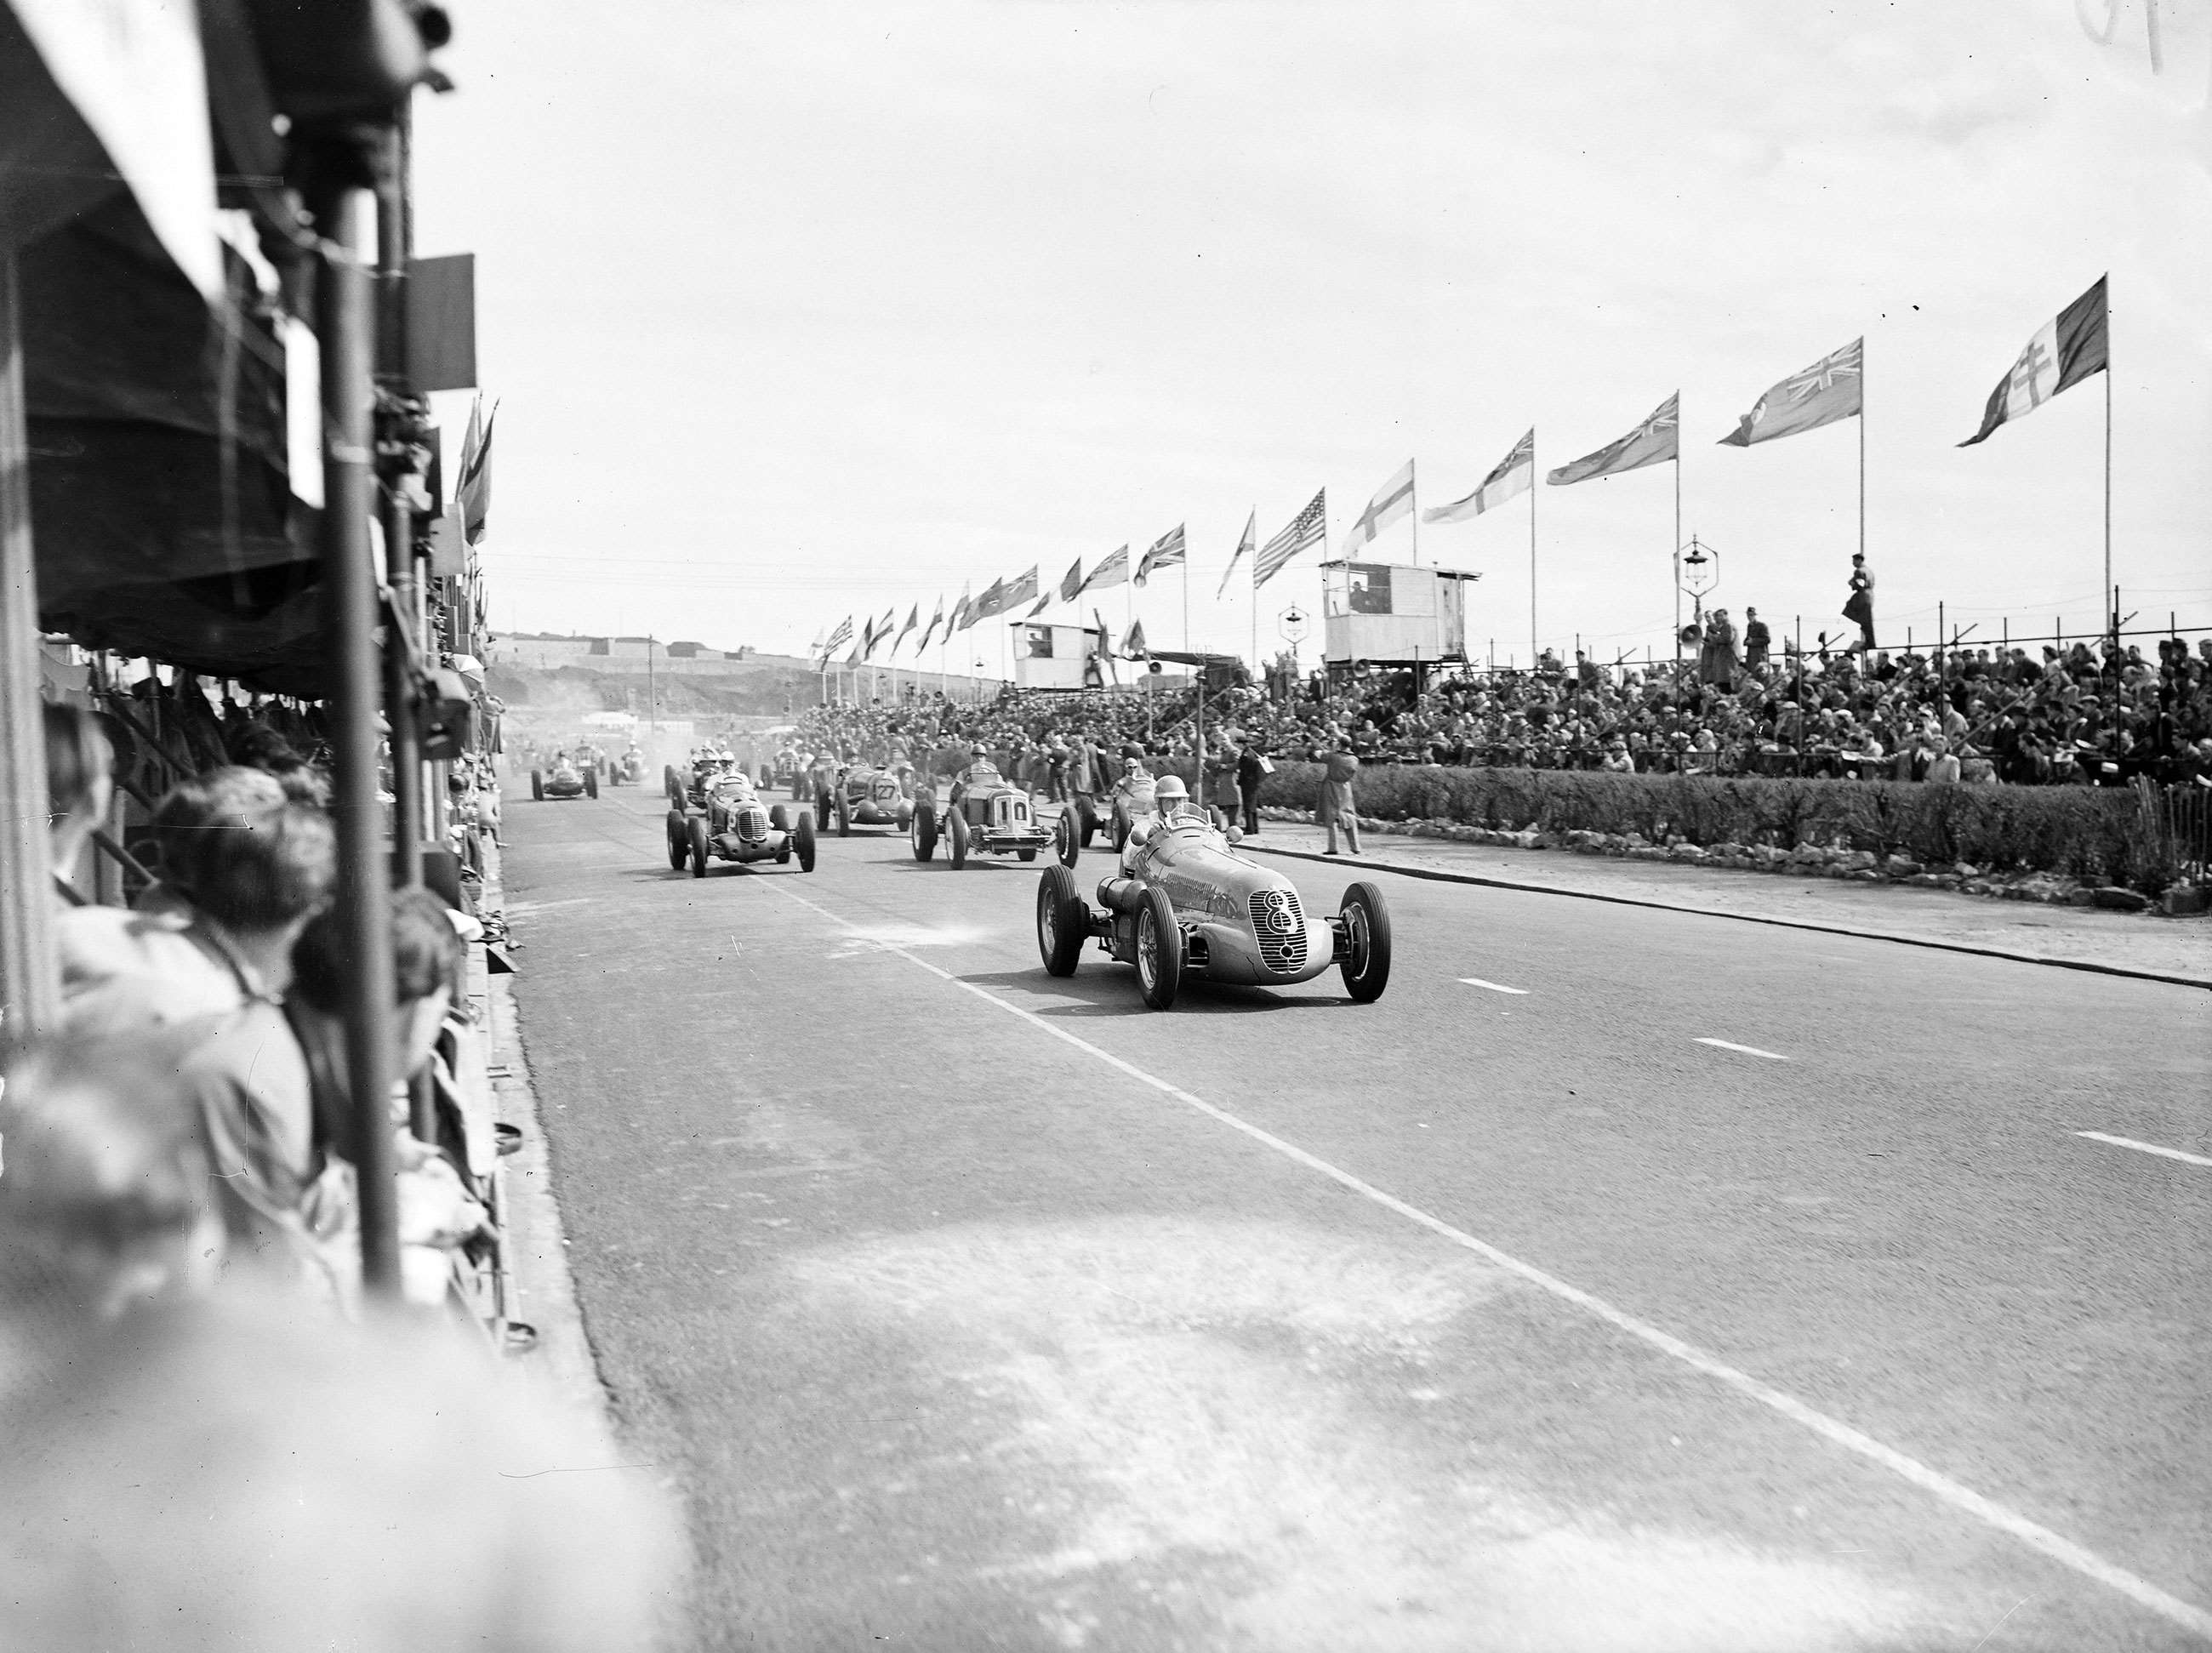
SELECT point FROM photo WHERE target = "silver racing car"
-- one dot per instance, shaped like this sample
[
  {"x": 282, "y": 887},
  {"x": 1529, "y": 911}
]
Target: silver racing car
[{"x": 1188, "y": 905}]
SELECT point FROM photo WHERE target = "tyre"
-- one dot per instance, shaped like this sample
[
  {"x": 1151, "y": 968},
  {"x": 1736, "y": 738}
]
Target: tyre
[
  {"x": 844, "y": 814},
  {"x": 925, "y": 832},
  {"x": 590, "y": 783},
  {"x": 698, "y": 828},
  {"x": 821, "y": 808},
  {"x": 1063, "y": 920},
  {"x": 679, "y": 840},
  {"x": 1025, "y": 856},
  {"x": 538, "y": 786},
  {"x": 1068, "y": 839},
  {"x": 1366, "y": 962},
  {"x": 1159, "y": 948},
  {"x": 674, "y": 787},
  {"x": 799, "y": 788},
  {"x": 802, "y": 840},
  {"x": 1087, "y": 821},
  {"x": 779, "y": 816},
  {"x": 1121, "y": 829},
  {"x": 958, "y": 821}
]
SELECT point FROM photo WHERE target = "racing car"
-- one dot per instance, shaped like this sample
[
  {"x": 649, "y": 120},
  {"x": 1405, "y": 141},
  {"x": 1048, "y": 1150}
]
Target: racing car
[
  {"x": 568, "y": 780},
  {"x": 731, "y": 823},
  {"x": 865, "y": 796},
  {"x": 1188, "y": 904},
  {"x": 987, "y": 815}
]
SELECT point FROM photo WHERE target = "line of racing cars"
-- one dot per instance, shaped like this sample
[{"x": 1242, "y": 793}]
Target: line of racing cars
[{"x": 1182, "y": 904}]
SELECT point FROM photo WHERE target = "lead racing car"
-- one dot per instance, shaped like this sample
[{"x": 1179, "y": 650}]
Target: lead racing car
[
  {"x": 1186, "y": 903},
  {"x": 731, "y": 823}
]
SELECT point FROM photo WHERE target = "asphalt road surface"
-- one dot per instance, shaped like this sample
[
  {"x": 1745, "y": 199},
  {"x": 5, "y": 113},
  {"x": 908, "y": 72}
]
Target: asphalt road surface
[{"x": 1623, "y": 1280}]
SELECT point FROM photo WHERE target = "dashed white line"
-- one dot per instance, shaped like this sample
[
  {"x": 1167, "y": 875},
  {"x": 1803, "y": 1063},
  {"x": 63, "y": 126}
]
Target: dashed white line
[
  {"x": 2147, "y": 1147},
  {"x": 2034, "y": 1535},
  {"x": 1495, "y": 987},
  {"x": 1747, "y": 1049}
]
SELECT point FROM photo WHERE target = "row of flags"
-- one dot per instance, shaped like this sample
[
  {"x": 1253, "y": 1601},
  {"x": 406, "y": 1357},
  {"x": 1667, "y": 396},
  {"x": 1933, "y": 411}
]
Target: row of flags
[{"x": 2073, "y": 346}]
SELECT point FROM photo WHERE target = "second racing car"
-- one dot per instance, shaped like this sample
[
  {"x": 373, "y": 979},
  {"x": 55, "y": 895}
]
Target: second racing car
[{"x": 731, "y": 823}]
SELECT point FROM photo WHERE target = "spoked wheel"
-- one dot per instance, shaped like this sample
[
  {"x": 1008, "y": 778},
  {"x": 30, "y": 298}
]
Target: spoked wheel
[
  {"x": 1366, "y": 961},
  {"x": 959, "y": 824},
  {"x": 679, "y": 840},
  {"x": 802, "y": 840},
  {"x": 1063, "y": 920},
  {"x": 1067, "y": 840},
  {"x": 698, "y": 829},
  {"x": 924, "y": 832},
  {"x": 1160, "y": 949}
]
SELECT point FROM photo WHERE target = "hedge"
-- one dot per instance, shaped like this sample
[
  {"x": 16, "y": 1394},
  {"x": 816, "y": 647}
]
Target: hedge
[{"x": 2095, "y": 834}]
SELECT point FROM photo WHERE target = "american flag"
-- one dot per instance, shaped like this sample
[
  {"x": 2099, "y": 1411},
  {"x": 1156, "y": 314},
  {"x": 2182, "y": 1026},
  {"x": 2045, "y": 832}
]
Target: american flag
[
  {"x": 838, "y": 639},
  {"x": 1309, "y": 528}
]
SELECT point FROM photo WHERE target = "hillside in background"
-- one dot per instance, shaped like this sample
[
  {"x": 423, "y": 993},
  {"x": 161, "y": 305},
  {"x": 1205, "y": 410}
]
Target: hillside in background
[{"x": 766, "y": 691}]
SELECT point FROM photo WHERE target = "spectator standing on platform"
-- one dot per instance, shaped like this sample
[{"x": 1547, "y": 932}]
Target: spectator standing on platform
[
  {"x": 1859, "y": 605},
  {"x": 1757, "y": 641}
]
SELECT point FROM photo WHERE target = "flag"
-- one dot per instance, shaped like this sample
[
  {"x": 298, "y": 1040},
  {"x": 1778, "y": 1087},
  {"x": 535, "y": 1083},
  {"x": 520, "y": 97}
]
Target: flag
[
  {"x": 1071, "y": 584},
  {"x": 1510, "y": 476},
  {"x": 1133, "y": 646},
  {"x": 1656, "y": 440},
  {"x": 1022, "y": 590},
  {"x": 1309, "y": 528},
  {"x": 879, "y": 631},
  {"x": 1114, "y": 571},
  {"x": 963, "y": 615},
  {"x": 2063, "y": 354},
  {"x": 1393, "y": 500},
  {"x": 1243, "y": 546},
  {"x": 992, "y": 602},
  {"x": 1166, "y": 551},
  {"x": 1825, "y": 393},
  {"x": 913, "y": 619},
  {"x": 1042, "y": 604},
  {"x": 838, "y": 639},
  {"x": 853, "y": 658},
  {"x": 472, "y": 492},
  {"x": 935, "y": 621}
]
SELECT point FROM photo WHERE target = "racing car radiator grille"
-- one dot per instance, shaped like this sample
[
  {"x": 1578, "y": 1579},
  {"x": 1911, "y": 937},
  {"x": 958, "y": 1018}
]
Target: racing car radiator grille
[
  {"x": 1280, "y": 925},
  {"x": 752, "y": 824}
]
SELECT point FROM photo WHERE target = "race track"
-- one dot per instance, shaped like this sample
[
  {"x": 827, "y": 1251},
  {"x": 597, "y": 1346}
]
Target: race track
[{"x": 1623, "y": 1280}]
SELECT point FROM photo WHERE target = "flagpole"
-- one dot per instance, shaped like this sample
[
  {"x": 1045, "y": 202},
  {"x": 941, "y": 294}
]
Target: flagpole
[
  {"x": 1862, "y": 419},
  {"x": 1532, "y": 548},
  {"x": 2111, "y": 604},
  {"x": 1254, "y": 572},
  {"x": 1186, "y": 594},
  {"x": 1413, "y": 493},
  {"x": 1676, "y": 559}
]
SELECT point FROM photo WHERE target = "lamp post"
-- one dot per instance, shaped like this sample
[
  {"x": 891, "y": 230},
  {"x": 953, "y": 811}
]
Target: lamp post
[{"x": 1698, "y": 572}]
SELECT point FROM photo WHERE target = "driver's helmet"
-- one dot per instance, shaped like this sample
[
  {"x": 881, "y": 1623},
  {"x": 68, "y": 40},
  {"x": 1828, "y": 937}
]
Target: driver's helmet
[{"x": 1169, "y": 794}]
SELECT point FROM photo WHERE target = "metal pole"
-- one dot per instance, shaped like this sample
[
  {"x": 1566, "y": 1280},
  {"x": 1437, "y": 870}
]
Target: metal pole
[
  {"x": 406, "y": 750},
  {"x": 343, "y": 329},
  {"x": 2112, "y": 597},
  {"x": 1678, "y": 554},
  {"x": 30, "y": 989},
  {"x": 1532, "y": 549}
]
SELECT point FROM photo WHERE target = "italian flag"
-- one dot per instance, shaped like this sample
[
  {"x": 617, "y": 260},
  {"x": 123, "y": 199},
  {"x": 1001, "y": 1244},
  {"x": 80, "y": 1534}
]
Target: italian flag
[{"x": 2064, "y": 352}]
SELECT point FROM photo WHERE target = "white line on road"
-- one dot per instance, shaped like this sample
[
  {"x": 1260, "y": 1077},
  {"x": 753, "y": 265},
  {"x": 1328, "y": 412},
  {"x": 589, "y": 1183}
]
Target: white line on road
[
  {"x": 2147, "y": 1147},
  {"x": 1477, "y": 981},
  {"x": 1747, "y": 1049},
  {"x": 2010, "y": 1522}
]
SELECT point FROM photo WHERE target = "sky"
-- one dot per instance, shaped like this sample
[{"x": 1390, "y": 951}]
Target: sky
[{"x": 797, "y": 311}]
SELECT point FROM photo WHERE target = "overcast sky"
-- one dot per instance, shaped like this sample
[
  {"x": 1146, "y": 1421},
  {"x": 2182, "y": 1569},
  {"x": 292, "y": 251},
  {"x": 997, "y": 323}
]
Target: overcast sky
[{"x": 797, "y": 310}]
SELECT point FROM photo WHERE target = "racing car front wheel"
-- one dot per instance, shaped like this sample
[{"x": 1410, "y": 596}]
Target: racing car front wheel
[
  {"x": 925, "y": 832},
  {"x": 1121, "y": 828},
  {"x": 1087, "y": 819},
  {"x": 779, "y": 816},
  {"x": 1366, "y": 961},
  {"x": 679, "y": 843},
  {"x": 1159, "y": 948},
  {"x": 1063, "y": 922},
  {"x": 698, "y": 831},
  {"x": 802, "y": 840},
  {"x": 844, "y": 816},
  {"x": 1066, "y": 839},
  {"x": 538, "y": 786},
  {"x": 590, "y": 783},
  {"x": 958, "y": 821}
]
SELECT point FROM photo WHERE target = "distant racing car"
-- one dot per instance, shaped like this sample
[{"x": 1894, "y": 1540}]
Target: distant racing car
[
  {"x": 1188, "y": 904},
  {"x": 731, "y": 823},
  {"x": 568, "y": 778},
  {"x": 869, "y": 797}
]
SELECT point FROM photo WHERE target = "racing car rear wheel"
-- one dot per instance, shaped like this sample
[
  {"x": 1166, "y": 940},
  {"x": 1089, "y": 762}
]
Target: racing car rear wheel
[
  {"x": 538, "y": 786},
  {"x": 802, "y": 840},
  {"x": 697, "y": 827},
  {"x": 844, "y": 815},
  {"x": 958, "y": 820},
  {"x": 1086, "y": 818},
  {"x": 1159, "y": 948},
  {"x": 925, "y": 831},
  {"x": 1067, "y": 838},
  {"x": 679, "y": 840},
  {"x": 1366, "y": 962},
  {"x": 590, "y": 783},
  {"x": 779, "y": 816},
  {"x": 821, "y": 809},
  {"x": 1063, "y": 920}
]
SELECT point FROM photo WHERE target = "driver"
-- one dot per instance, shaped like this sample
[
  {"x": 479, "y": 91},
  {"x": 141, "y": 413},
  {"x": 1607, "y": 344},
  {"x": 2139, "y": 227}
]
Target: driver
[
  {"x": 1171, "y": 800},
  {"x": 980, "y": 771}
]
